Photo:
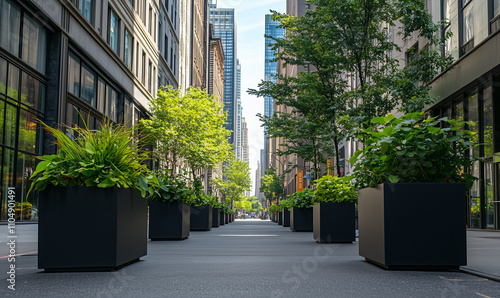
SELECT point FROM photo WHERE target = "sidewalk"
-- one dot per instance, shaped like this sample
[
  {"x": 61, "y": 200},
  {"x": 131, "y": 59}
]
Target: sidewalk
[
  {"x": 483, "y": 254},
  {"x": 248, "y": 258}
]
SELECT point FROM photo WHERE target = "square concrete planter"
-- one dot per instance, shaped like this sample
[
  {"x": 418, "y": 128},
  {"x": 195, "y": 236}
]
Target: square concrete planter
[
  {"x": 413, "y": 225},
  {"x": 334, "y": 223},
  {"x": 169, "y": 220},
  {"x": 91, "y": 229},
  {"x": 201, "y": 218},
  {"x": 301, "y": 219},
  {"x": 215, "y": 217},
  {"x": 222, "y": 218},
  {"x": 286, "y": 217},
  {"x": 280, "y": 218}
]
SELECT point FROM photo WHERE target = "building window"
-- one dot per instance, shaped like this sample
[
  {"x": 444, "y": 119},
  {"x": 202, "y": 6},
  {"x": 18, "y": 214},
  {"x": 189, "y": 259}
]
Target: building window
[
  {"x": 34, "y": 44},
  {"x": 73, "y": 75},
  {"x": 101, "y": 96},
  {"x": 113, "y": 30},
  {"x": 112, "y": 102},
  {"x": 143, "y": 74},
  {"x": 85, "y": 7},
  {"x": 131, "y": 2},
  {"x": 150, "y": 67},
  {"x": 496, "y": 8},
  {"x": 88, "y": 91},
  {"x": 150, "y": 20},
  {"x": 129, "y": 44},
  {"x": 10, "y": 22},
  {"x": 154, "y": 28},
  {"x": 165, "y": 49},
  {"x": 137, "y": 60}
]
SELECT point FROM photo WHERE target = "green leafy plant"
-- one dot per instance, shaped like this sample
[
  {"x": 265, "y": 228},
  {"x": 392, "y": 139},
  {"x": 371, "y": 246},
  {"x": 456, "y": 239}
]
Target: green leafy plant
[
  {"x": 285, "y": 204},
  {"x": 302, "y": 199},
  {"x": 273, "y": 209},
  {"x": 105, "y": 158},
  {"x": 334, "y": 189},
  {"x": 413, "y": 148},
  {"x": 163, "y": 188}
]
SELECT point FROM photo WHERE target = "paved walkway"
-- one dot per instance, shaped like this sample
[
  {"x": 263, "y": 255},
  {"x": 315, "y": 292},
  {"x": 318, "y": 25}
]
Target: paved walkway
[{"x": 248, "y": 258}]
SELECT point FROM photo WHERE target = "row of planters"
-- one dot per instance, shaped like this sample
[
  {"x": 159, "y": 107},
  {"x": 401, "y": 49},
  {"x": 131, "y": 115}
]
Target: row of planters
[
  {"x": 328, "y": 211},
  {"x": 412, "y": 180},
  {"x": 94, "y": 192},
  {"x": 175, "y": 209}
]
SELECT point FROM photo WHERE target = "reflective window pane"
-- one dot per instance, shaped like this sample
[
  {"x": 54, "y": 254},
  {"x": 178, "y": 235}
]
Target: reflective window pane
[
  {"x": 474, "y": 121},
  {"x": 101, "y": 96},
  {"x": 73, "y": 75},
  {"x": 26, "y": 208},
  {"x": 88, "y": 93},
  {"x": 3, "y": 76},
  {"x": 34, "y": 44},
  {"x": 27, "y": 131},
  {"x": 32, "y": 92},
  {"x": 468, "y": 24},
  {"x": 113, "y": 31},
  {"x": 8, "y": 178},
  {"x": 10, "y": 26},
  {"x": 10, "y": 125},
  {"x": 85, "y": 7},
  {"x": 488, "y": 122},
  {"x": 496, "y": 7},
  {"x": 13, "y": 82},
  {"x": 111, "y": 104},
  {"x": 128, "y": 49},
  {"x": 2, "y": 121}
]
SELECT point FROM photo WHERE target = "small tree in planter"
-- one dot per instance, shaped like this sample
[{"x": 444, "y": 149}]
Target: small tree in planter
[
  {"x": 301, "y": 213},
  {"x": 413, "y": 169},
  {"x": 169, "y": 209},
  {"x": 92, "y": 183},
  {"x": 333, "y": 212}
]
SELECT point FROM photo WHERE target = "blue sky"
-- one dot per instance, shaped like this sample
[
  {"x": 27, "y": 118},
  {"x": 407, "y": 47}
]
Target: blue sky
[{"x": 250, "y": 19}]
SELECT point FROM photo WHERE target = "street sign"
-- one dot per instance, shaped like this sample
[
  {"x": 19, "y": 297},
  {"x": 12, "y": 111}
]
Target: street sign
[
  {"x": 300, "y": 180},
  {"x": 308, "y": 175}
]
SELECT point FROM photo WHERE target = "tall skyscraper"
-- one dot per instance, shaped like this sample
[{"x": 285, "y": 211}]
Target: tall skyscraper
[
  {"x": 244, "y": 140},
  {"x": 224, "y": 21},
  {"x": 269, "y": 72},
  {"x": 239, "y": 148}
]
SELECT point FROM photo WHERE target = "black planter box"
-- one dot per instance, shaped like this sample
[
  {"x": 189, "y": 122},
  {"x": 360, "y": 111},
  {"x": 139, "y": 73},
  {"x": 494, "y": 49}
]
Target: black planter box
[
  {"x": 215, "y": 217},
  {"x": 201, "y": 218},
  {"x": 334, "y": 223},
  {"x": 169, "y": 220},
  {"x": 222, "y": 218},
  {"x": 301, "y": 219},
  {"x": 286, "y": 217},
  {"x": 226, "y": 218},
  {"x": 90, "y": 228},
  {"x": 280, "y": 218},
  {"x": 413, "y": 225}
]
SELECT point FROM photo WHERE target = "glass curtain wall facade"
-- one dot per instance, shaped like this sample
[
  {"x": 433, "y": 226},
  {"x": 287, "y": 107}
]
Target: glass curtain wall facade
[
  {"x": 475, "y": 97},
  {"x": 224, "y": 21},
  {"x": 239, "y": 129},
  {"x": 46, "y": 75},
  {"x": 270, "y": 72}
]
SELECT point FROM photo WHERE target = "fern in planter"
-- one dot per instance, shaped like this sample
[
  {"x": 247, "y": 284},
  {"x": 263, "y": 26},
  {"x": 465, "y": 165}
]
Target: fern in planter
[
  {"x": 105, "y": 158},
  {"x": 302, "y": 199},
  {"x": 413, "y": 148},
  {"x": 330, "y": 189}
]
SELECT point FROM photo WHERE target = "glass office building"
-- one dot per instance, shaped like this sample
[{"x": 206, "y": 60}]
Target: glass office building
[
  {"x": 270, "y": 70},
  {"x": 224, "y": 21}
]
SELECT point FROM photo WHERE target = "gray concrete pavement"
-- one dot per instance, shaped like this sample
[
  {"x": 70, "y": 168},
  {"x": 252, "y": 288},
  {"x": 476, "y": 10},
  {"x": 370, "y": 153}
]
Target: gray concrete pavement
[{"x": 244, "y": 259}]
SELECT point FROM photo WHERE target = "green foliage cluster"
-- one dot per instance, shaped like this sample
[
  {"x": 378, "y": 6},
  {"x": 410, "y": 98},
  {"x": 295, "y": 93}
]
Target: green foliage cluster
[
  {"x": 237, "y": 181},
  {"x": 188, "y": 129},
  {"x": 302, "y": 199},
  {"x": 164, "y": 188},
  {"x": 335, "y": 45},
  {"x": 272, "y": 184},
  {"x": 413, "y": 148},
  {"x": 106, "y": 157},
  {"x": 334, "y": 189},
  {"x": 273, "y": 209},
  {"x": 286, "y": 204}
]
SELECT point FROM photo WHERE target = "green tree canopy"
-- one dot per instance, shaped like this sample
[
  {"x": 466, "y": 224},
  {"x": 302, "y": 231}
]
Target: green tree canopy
[
  {"x": 187, "y": 128},
  {"x": 272, "y": 184},
  {"x": 235, "y": 182}
]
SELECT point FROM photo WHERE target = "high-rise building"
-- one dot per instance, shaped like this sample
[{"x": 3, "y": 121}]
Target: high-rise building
[
  {"x": 224, "y": 21},
  {"x": 244, "y": 140},
  {"x": 270, "y": 71},
  {"x": 239, "y": 148},
  {"x": 64, "y": 61}
]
